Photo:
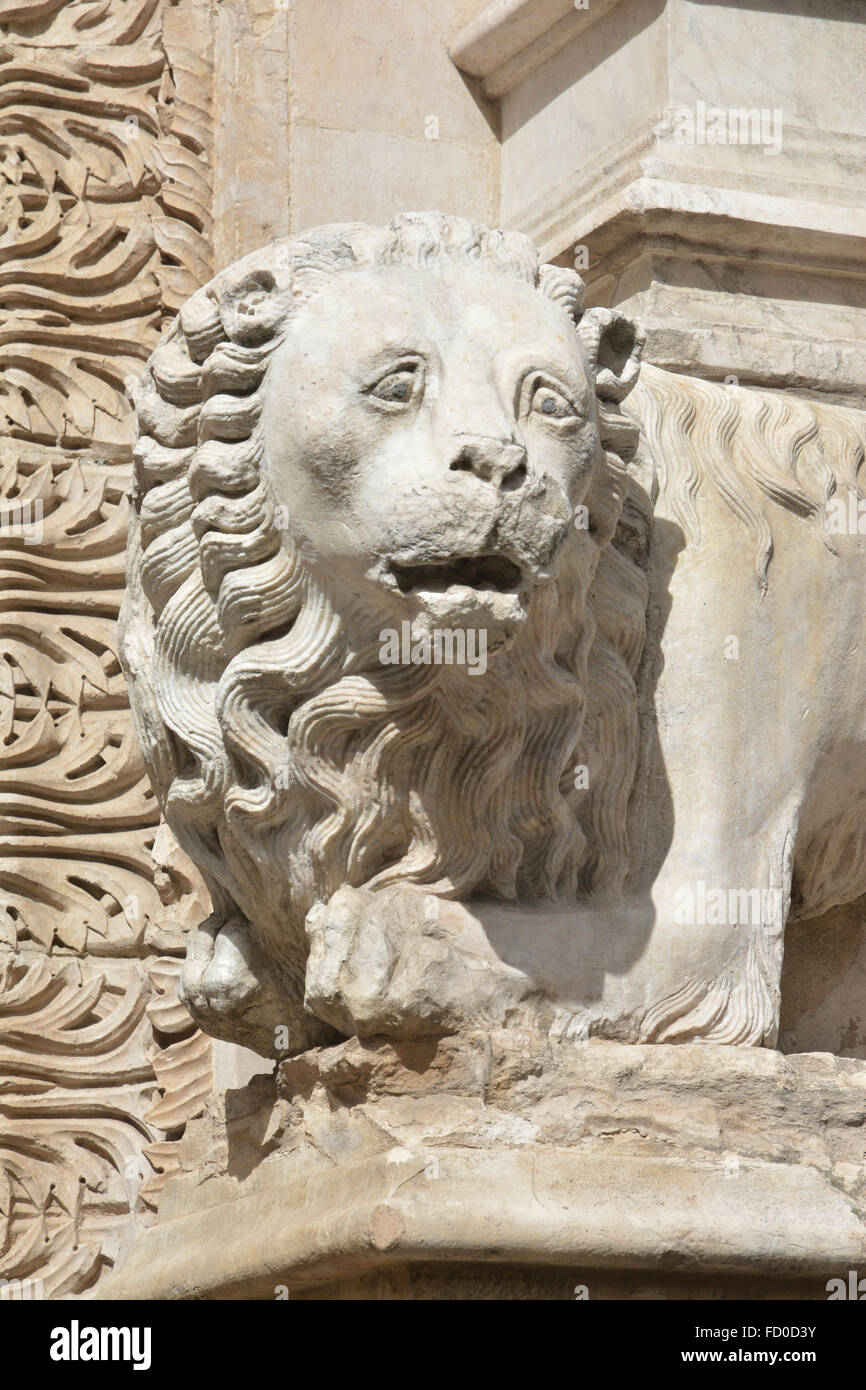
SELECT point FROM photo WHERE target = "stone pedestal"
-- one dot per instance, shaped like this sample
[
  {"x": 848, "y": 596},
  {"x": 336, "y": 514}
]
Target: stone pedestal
[{"x": 514, "y": 1167}]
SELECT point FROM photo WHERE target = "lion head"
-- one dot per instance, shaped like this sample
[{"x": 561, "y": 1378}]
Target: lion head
[{"x": 365, "y": 431}]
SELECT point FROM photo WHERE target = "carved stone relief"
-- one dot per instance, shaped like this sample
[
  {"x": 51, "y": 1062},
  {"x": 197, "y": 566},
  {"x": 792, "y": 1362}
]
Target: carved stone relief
[
  {"x": 362, "y": 441},
  {"x": 104, "y": 231}
]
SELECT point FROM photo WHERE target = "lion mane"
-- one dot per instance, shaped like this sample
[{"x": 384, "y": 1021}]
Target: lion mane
[{"x": 287, "y": 760}]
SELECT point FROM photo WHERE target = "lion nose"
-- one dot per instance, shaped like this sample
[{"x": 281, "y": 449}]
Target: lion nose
[{"x": 498, "y": 461}]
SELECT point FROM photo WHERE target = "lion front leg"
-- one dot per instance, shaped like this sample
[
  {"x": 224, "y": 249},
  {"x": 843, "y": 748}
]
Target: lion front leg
[{"x": 405, "y": 964}]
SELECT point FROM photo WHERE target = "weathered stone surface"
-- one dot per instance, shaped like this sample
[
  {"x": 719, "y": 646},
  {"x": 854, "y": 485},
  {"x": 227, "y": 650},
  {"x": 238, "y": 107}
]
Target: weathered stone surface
[{"x": 518, "y": 1168}]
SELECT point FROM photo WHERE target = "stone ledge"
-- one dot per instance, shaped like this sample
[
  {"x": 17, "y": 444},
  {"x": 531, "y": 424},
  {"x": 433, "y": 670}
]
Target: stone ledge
[
  {"x": 732, "y": 221},
  {"x": 535, "y": 1208},
  {"x": 522, "y": 1158},
  {"x": 511, "y": 38},
  {"x": 726, "y": 281}
]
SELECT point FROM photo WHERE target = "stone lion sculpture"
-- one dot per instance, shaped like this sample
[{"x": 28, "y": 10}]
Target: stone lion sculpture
[{"x": 476, "y": 690}]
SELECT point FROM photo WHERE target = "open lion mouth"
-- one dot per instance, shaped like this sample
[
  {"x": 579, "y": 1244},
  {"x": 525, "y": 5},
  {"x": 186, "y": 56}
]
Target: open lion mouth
[{"x": 473, "y": 572}]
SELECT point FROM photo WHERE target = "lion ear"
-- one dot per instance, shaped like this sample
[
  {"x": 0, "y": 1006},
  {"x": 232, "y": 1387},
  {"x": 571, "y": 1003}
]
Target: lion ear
[{"x": 614, "y": 344}]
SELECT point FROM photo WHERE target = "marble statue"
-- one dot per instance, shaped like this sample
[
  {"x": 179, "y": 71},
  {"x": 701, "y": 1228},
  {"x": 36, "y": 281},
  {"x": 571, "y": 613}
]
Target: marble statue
[{"x": 488, "y": 679}]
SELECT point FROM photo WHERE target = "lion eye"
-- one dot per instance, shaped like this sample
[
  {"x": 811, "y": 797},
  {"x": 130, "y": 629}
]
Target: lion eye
[
  {"x": 396, "y": 387},
  {"x": 552, "y": 404}
]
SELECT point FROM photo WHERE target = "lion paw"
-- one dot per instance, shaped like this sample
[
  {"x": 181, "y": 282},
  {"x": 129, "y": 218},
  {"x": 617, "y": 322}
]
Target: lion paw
[{"x": 389, "y": 962}]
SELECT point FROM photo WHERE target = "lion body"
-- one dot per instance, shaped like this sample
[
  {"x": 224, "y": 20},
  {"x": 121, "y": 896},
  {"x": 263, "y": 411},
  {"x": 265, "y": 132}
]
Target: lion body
[{"x": 289, "y": 765}]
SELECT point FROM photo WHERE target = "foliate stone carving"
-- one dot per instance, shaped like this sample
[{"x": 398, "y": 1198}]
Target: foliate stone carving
[
  {"x": 82, "y": 1125},
  {"x": 78, "y": 815},
  {"x": 103, "y": 209},
  {"x": 101, "y": 1064},
  {"x": 362, "y": 445},
  {"x": 104, "y": 230}
]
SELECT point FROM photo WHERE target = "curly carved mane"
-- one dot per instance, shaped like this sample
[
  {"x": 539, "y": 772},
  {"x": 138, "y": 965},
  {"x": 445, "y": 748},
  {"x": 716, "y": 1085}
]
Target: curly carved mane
[{"x": 273, "y": 736}]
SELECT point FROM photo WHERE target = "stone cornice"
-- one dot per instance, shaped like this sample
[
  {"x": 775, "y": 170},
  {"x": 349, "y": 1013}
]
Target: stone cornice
[{"x": 511, "y": 38}]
